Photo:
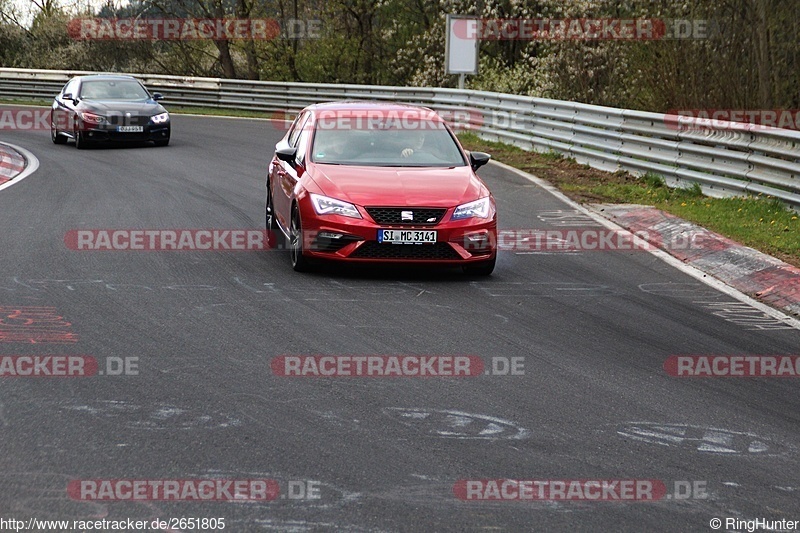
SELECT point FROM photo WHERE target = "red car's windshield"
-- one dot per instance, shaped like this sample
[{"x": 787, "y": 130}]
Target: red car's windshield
[{"x": 344, "y": 141}]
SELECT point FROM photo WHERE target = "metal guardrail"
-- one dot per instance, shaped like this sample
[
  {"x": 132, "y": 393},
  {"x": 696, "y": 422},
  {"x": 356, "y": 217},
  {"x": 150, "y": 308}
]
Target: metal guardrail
[{"x": 725, "y": 159}]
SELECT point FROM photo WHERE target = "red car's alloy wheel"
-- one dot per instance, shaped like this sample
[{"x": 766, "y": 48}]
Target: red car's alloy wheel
[
  {"x": 299, "y": 261},
  {"x": 275, "y": 235}
]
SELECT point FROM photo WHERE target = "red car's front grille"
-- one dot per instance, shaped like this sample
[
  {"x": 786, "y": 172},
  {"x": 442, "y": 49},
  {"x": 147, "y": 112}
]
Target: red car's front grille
[
  {"x": 375, "y": 250},
  {"x": 406, "y": 216}
]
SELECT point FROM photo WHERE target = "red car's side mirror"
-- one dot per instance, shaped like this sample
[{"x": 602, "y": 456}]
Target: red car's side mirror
[
  {"x": 287, "y": 154},
  {"x": 478, "y": 159}
]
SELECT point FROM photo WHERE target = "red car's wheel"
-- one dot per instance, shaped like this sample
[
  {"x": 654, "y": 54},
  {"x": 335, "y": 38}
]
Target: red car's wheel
[
  {"x": 275, "y": 235},
  {"x": 300, "y": 262}
]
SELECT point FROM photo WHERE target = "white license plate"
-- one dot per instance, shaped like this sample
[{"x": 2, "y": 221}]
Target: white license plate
[
  {"x": 130, "y": 129},
  {"x": 406, "y": 236}
]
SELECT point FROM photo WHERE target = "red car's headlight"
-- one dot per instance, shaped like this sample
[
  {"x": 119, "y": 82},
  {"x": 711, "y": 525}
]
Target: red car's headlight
[
  {"x": 477, "y": 209},
  {"x": 331, "y": 206}
]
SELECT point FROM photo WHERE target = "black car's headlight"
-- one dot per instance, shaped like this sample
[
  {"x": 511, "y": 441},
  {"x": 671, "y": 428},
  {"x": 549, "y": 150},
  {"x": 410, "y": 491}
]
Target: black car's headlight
[
  {"x": 160, "y": 119},
  {"x": 93, "y": 118}
]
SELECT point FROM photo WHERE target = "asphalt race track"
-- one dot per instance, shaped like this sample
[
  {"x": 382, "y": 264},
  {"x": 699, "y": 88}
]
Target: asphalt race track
[{"x": 375, "y": 454}]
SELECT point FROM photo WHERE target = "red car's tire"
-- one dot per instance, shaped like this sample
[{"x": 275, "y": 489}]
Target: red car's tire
[
  {"x": 275, "y": 236},
  {"x": 300, "y": 262}
]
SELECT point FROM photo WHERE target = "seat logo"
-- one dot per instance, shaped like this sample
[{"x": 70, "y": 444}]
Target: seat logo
[{"x": 406, "y": 215}]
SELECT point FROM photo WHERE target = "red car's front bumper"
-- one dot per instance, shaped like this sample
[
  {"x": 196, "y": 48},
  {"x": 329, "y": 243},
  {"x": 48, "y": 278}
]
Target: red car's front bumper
[{"x": 339, "y": 238}]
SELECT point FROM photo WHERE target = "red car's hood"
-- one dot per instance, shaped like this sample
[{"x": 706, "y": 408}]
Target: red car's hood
[{"x": 388, "y": 186}]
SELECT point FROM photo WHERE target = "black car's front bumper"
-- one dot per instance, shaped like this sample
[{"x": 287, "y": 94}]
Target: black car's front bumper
[{"x": 111, "y": 133}]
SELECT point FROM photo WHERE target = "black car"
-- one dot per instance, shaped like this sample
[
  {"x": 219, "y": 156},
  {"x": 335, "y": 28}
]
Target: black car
[{"x": 108, "y": 108}]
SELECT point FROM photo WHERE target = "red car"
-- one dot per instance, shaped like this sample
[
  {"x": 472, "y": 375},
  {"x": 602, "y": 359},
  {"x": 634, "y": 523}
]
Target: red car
[{"x": 373, "y": 182}]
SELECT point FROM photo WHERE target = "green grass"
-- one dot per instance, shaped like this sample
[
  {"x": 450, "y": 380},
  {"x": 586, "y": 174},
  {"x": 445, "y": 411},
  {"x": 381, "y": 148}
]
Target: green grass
[
  {"x": 649, "y": 189},
  {"x": 507, "y": 153},
  {"x": 552, "y": 155},
  {"x": 26, "y": 102},
  {"x": 473, "y": 139},
  {"x": 763, "y": 223}
]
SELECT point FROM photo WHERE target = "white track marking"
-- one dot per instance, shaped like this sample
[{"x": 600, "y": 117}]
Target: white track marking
[{"x": 30, "y": 168}]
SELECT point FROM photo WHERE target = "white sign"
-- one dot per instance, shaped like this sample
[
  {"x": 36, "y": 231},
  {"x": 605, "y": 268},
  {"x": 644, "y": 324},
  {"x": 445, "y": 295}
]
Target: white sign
[{"x": 461, "y": 56}]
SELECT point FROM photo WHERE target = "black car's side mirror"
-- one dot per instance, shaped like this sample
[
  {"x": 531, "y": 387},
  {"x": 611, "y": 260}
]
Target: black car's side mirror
[
  {"x": 70, "y": 96},
  {"x": 478, "y": 159},
  {"x": 288, "y": 154},
  {"x": 158, "y": 96}
]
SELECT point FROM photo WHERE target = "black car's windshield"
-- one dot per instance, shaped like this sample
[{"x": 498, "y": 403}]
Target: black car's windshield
[
  {"x": 344, "y": 141},
  {"x": 113, "y": 90}
]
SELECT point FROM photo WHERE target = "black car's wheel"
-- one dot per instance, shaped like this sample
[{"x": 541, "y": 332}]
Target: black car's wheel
[
  {"x": 484, "y": 268},
  {"x": 275, "y": 235},
  {"x": 300, "y": 262},
  {"x": 80, "y": 140},
  {"x": 56, "y": 137}
]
